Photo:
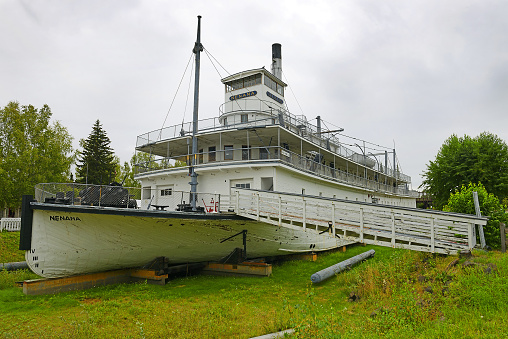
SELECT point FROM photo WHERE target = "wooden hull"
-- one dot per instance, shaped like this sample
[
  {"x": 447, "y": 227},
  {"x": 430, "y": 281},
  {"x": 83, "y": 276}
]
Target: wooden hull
[{"x": 69, "y": 240}]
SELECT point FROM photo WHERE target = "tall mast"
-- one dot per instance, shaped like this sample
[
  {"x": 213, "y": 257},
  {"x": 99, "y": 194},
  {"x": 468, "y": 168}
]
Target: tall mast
[{"x": 194, "y": 177}]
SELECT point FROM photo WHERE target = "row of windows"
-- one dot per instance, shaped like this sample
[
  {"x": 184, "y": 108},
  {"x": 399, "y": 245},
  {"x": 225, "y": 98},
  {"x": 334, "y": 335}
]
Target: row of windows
[
  {"x": 252, "y": 81},
  {"x": 228, "y": 153},
  {"x": 274, "y": 86},
  {"x": 243, "y": 119},
  {"x": 244, "y": 82}
]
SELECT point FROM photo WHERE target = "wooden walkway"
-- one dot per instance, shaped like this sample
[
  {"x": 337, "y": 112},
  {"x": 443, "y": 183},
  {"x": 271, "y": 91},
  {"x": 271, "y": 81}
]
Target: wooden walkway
[{"x": 397, "y": 227}]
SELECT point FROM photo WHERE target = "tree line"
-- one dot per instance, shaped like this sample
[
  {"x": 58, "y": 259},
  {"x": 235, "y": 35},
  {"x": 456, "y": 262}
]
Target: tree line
[{"x": 33, "y": 149}]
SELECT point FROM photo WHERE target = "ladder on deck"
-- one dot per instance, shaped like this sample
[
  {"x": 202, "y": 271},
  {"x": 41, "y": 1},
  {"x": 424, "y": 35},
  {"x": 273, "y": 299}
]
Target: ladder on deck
[{"x": 384, "y": 225}]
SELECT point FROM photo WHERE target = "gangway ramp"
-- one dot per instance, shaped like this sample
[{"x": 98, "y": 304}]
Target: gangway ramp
[{"x": 384, "y": 225}]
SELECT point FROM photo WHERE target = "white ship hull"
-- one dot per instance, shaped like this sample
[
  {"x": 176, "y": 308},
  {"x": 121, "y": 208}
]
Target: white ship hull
[{"x": 69, "y": 240}]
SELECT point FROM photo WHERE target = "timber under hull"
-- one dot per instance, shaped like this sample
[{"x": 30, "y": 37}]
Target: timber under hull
[{"x": 69, "y": 240}]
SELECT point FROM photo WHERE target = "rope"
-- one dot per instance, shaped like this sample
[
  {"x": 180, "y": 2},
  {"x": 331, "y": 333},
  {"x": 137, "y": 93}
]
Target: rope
[
  {"x": 188, "y": 91},
  {"x": 287, "y": 81}
]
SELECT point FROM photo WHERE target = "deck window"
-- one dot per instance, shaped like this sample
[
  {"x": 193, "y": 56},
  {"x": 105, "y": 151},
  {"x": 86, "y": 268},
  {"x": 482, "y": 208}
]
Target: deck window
[
  {"x": 247, "y": 185},
  {"x": 228, "y": 152},
  {"x": 166, "y": 192},
  {"x": 244, "y": 118},
  {"x": 211, "y": 153}
]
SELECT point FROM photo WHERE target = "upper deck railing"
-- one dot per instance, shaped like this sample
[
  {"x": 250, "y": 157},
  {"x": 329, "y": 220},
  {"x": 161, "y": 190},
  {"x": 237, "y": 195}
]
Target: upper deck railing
[
  {"x": 269, "y": 117},
  {"x": 376, "y": 182}
]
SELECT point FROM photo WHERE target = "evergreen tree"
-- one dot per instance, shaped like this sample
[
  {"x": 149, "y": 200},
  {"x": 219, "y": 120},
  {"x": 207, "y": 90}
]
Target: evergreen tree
[{"x": 96, "y": 163}]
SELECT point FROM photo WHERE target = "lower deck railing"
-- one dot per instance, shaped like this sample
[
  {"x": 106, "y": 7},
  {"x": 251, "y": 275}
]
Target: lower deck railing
[{"x": 397, "y": 227}]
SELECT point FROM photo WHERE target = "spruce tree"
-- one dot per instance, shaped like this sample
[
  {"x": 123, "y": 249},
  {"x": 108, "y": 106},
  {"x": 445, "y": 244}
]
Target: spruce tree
[{"x": 96, "y": 163}]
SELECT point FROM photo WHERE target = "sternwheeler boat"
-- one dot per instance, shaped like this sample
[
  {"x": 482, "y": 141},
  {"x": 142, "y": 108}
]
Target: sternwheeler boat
[{"x": 255, "y": 143}]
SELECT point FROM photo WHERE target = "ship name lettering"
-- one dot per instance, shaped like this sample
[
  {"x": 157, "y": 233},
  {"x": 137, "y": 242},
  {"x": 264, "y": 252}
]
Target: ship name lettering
[
  {"x": 63, "y": 218},
  {"x": 243, "y": 95}
]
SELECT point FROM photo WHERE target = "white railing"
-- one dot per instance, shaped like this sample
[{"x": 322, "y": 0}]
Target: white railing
[
  {"x": 124, "y": 197},
  {"x": 397, "y": 227},
  {"x": 296, "y": 124},
  {"x": 10, "y": 224},
  {"x": 377, "y": 183}
]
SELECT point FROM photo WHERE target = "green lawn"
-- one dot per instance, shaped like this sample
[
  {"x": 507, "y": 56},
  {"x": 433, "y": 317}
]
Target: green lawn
[{"x": 464, "y": 303}]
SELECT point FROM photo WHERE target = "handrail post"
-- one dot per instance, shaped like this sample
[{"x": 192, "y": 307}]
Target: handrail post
[
  {"x": 471, "y": 236},
  {"x": 237, "y": 202},
  {"x": 280, "y": 210},
  {"x": 393, "y": 228},
  {"x": 304, "y": 214},
  {"x": 361, "y": 224},
  {"x": 257, "y": 206},
  {"x": 333, "y": 219},
  {"x": 432, "y": 237}
]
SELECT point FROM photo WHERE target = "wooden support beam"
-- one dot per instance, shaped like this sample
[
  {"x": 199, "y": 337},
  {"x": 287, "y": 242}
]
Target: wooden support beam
[
  {"x": 243, "y": 269},
  {"x": 86, "y": 281}
]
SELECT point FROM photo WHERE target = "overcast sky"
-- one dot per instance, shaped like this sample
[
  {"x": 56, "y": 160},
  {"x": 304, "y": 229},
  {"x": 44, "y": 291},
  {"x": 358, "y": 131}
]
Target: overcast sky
[{"x": 405, "y": 72}]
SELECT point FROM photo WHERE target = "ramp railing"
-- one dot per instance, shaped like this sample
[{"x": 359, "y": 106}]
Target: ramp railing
[{"x": 392, "y": 226}]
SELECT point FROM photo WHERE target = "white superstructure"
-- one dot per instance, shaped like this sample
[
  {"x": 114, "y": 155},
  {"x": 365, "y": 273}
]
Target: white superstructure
[{"x": 255, "y": 142}]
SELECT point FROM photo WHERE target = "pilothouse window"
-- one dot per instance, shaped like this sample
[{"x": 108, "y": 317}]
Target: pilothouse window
[
  {"x": 243, "y": 82},
  {"x": 274, "y": 86}
]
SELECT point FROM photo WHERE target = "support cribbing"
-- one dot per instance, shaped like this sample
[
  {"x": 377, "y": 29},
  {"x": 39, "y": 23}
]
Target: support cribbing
[{"x": 198, "y": 48}]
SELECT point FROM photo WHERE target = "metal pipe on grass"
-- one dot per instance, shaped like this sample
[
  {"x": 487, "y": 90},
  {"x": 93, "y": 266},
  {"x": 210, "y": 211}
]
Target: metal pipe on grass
[{"x": 334, "y": 269}]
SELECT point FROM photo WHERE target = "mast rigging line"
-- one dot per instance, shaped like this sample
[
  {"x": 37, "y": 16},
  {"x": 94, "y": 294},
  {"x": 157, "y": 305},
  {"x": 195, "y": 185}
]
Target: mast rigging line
[
  {"x": 188, "y": 91},
  {"x": 210, "y": 56},
  {"x": 174, "y": 97},
  {"x": 291, "y": 89}
]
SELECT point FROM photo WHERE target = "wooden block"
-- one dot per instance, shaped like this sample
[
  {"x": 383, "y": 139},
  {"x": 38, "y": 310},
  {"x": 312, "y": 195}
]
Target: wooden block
[
  {"x": 244, "y": 269},
  {"x": 305, "y": 256},
  {"x": 74, "y": 283}
]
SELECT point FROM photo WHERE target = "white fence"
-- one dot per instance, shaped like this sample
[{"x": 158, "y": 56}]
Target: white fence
[
  {"x": 398, "y": 227},
  {"x": 10, "y": 224}
]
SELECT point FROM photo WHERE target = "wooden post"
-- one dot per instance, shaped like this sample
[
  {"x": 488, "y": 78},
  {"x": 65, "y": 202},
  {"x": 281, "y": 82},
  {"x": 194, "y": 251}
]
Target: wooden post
[
  {"x": 393, "y": 229},
  {"x": 304, "y": 214},
  {"x": 502, "y": 228},
  {"x": 257, "y": 206},
  {"x": 333, "y": 219},
  {"x": 361, "y": 224},
  {"x": 280, "y": 210},
  {"x": 471, "y": 236},
  {"x": 432, "y": 240}
]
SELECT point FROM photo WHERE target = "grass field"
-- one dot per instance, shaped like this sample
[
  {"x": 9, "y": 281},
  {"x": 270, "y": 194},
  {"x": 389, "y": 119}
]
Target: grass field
[{"x": 402, "y": 294}]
